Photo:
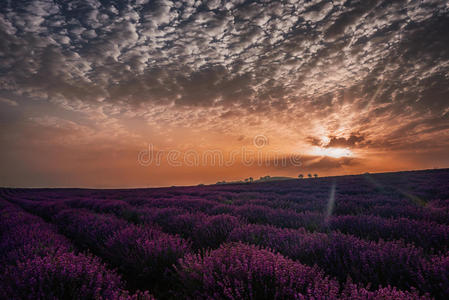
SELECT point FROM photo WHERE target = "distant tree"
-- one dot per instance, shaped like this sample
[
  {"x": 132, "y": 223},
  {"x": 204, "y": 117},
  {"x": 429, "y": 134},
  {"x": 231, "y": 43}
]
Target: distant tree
[
  {"x": 246, "y": 179},
  {"x": 251, "y": 179},
  {"x": 309, "y": 175},
  {"x": 300, "y": 176},
  {"x": 315, "y": 175}
]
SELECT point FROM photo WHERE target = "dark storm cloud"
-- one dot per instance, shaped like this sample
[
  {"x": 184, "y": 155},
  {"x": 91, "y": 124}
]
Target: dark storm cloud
[
  {"x": 314, "y": 141},
  {"x": 265, "y": 57},
  {"x": 354, "y": 140},
  {"x": 327, "y": 163}
]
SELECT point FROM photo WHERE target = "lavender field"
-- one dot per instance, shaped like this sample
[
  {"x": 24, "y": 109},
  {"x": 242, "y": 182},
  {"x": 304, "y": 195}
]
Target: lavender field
[{"x": 371, "y": 236}]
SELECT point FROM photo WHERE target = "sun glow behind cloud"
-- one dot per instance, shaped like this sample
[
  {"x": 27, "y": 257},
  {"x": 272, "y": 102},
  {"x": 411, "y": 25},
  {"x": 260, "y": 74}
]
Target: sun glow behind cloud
[{"x": 331, "y": 152}]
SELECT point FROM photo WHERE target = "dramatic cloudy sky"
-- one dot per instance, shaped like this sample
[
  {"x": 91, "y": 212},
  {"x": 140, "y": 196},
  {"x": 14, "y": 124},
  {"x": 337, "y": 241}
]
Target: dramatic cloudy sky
[{"x": 345, "y": 86}]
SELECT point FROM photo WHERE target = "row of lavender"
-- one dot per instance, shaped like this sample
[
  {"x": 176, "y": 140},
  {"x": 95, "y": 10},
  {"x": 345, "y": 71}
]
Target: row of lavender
[
  {"x": 233, "y": 271},
  {"x": 415, "y": 195},
  {"x": 38, "y": 263},
  {"x": 376, "y": 263},
  {"x": 430, "y": 236},
  {"x": 422, "y": 196},
  {"x": 425, "y": 233}
]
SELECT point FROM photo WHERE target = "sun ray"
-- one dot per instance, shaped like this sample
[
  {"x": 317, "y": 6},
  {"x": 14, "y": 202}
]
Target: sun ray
[{"x": 330, "y": 202}]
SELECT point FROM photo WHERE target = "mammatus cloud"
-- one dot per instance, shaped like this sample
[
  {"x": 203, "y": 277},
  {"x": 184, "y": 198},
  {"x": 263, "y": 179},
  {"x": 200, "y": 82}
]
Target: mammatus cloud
[{"x": 368, "y": 75}]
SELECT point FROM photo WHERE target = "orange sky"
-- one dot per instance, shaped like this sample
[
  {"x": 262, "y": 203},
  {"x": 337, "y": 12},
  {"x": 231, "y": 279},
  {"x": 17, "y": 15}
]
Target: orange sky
[{"x": 44, "y": 151}]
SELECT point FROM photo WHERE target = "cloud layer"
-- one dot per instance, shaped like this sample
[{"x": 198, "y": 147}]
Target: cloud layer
[{"x": 360, "y": 74}]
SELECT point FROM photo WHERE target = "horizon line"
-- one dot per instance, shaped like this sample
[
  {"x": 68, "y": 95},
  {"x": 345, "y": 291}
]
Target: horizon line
[{"x": 213, "y": 184}]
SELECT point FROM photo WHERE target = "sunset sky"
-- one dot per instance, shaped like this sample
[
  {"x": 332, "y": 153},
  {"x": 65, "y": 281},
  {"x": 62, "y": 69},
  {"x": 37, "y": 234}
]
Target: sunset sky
[{"x": 89, "y": 90}]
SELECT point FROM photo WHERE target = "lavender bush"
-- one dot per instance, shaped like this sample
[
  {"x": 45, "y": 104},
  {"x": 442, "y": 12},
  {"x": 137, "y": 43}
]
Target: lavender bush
[
  {"x": 62, "y": 276},
  {"x": 238, "y": 271},
  {"x": 38, "y": 263},
  {"x": 343, "y": 256},
  {"x": 145, "y": 255}
]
